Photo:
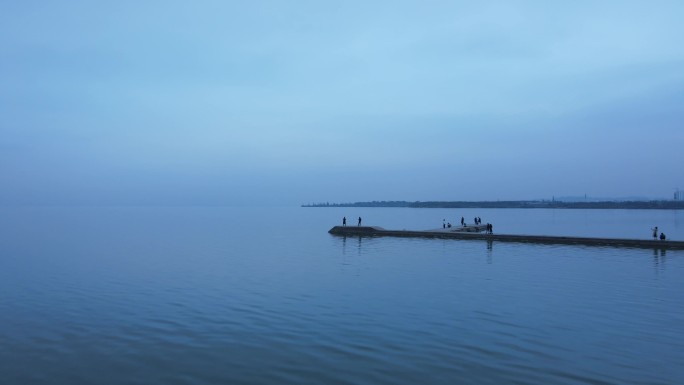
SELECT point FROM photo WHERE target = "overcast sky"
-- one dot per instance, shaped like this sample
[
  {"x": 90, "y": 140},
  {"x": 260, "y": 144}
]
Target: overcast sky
[{"x": 290, "y": 102}]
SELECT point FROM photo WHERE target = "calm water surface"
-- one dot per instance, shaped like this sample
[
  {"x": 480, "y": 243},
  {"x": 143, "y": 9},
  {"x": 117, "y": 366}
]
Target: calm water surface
[{"x": 266, "y": 296}]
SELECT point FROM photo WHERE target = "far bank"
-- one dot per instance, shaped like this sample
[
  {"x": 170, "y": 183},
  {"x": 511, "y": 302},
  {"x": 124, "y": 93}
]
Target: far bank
[{"x": 538, "y": 204}]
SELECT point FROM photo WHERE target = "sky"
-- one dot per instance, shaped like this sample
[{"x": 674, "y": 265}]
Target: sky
[{"x": 294, "y": 102}]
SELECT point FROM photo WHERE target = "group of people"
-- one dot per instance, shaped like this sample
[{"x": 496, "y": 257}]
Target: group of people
[
  {"x": 655, "y": 234},
  {"x": 489, "y": 229},
  {"x": 344, "y": 221},
  {"x": 476, "y": 220}
]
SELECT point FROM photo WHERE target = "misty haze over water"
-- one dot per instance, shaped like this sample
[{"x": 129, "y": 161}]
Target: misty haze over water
[{"x": 152, "y": 153}]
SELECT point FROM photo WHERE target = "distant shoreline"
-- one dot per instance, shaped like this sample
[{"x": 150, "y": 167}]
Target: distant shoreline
[{"x": 632, "y": 205}]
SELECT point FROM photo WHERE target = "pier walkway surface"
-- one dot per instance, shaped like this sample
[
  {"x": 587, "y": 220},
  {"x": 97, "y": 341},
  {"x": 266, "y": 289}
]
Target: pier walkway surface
[{"x": 459, "y": 233}]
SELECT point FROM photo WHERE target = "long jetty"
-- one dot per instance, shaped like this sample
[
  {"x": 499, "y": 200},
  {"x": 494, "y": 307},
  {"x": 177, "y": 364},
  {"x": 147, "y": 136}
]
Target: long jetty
[{"x": 475, "y": 234}]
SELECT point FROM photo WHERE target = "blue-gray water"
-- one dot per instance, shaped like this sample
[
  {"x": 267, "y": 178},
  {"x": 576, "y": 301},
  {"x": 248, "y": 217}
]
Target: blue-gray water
[{"x": 267, "y": 296}]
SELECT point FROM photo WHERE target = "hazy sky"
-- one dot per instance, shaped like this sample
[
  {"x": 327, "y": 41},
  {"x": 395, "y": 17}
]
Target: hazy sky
[{"x": 290, "y": 102}]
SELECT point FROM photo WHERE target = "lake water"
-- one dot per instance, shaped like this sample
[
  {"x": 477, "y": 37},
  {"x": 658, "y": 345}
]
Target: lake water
[{"x": 195, "y": 295}]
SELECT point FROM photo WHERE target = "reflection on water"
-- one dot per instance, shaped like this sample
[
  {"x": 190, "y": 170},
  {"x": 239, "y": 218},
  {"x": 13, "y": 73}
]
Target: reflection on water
[
  {"x": 490, "y": 247},
  {"x": 215, "y": 296},
  {"x": 659, "y": 258}
]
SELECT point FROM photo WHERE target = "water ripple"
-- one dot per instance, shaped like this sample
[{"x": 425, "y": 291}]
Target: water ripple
[{"x": 190, "y": 296}]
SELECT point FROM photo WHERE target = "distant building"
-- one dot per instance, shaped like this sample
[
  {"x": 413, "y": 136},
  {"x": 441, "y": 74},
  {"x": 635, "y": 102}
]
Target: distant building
[{"x": 679, "y": 195}]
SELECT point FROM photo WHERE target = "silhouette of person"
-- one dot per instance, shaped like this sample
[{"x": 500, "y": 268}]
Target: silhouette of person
[
  {"x": 462, "y": 221},
  {"x": 443, "y": 224},
  {"x": 655, "y": 232},
  {"x": 359, "y": 222},
  {"x": 344, "y": 221},
  {"x": 662, "y": 236}
]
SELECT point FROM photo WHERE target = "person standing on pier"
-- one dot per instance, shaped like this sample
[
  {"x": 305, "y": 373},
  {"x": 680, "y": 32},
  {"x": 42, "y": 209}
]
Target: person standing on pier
[
  {"x": 344, "y": 221},
  {"x": 655, "y": 232},
  {"x": 462, "y": 221},
  {"x": 359, "y": 222}
]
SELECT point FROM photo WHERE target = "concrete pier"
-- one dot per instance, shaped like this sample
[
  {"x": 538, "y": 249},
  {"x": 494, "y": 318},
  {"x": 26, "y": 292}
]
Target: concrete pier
[{"x": 454, "y": 233}]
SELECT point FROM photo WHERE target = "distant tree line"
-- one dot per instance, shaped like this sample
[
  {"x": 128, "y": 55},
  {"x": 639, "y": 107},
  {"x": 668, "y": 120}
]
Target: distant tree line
[{"x": 552, "y": 204}]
